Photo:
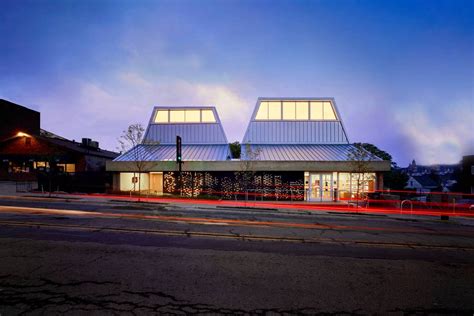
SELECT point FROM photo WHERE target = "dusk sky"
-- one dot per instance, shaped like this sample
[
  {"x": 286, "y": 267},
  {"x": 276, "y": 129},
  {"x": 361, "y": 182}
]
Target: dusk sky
[{"x": 401, "y": 72}]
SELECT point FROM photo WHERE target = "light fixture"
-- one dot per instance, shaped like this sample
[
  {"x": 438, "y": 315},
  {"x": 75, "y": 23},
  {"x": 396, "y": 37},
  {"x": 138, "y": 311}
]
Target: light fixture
[{"x": 21, "y": 134}]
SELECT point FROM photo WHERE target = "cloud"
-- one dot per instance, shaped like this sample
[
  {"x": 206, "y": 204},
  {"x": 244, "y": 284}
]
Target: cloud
[
  {"x": 441, "y": 136},
  {"x": 102, "y": 111}
]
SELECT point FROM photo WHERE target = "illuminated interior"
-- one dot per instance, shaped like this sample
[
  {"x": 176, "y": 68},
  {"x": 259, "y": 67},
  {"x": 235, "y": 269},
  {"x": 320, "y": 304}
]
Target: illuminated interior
[
  {"x": 325, "y": 186},
  {"x": 164, "y": 116},
  {"x": 296, "y": 110},
  {"x": 127, "y": 183}
]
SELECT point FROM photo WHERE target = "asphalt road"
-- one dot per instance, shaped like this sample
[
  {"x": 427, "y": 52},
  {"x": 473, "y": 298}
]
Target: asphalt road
[{"x": 111, "y": 257}]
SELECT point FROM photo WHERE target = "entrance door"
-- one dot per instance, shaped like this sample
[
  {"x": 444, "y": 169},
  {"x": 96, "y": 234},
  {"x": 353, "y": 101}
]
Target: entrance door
[
  {"x": 156, "y": 183},
  {"x": 320, "y": 187}
]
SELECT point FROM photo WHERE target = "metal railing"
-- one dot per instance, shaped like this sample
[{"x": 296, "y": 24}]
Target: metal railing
[{"x": 404, "y": 202}]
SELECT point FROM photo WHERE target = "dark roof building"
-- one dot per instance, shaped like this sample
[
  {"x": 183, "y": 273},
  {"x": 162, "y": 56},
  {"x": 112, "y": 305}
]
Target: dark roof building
[
  {"x": 15, "y": 119},
  {"x": 26, "y": 150}
]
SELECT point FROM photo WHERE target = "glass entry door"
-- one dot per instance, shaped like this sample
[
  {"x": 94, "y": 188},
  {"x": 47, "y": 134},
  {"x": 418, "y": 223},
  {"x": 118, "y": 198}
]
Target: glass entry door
[{"x": 320, "y": 187}]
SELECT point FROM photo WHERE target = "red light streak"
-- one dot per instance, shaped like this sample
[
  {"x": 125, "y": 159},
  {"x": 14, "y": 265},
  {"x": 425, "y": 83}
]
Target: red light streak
[{"x": 303, "y": 206}]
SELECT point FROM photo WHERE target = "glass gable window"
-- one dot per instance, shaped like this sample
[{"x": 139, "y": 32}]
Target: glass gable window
[
  {"x": 177, "y": 116},
  {"x": 262, "y": 113},
  {"x": 316, "y": 110},
  {"x": 193, "y": 116},
  {"x": 289, "y": 110},
  {"x": 296, "y": 110},
  {"x": 328, "y": 112},
  {"x": 302, "y": 110},
  {"x": 274, "y": 110},
  {"x": 161, "y": 116},
  {"x": 185, "y": 116},
  {"x": 208, "y": 116}
]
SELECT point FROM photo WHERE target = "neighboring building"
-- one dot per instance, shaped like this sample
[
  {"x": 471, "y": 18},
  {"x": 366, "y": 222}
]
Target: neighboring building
[
  {"x": 16, "y": 119},
  {"x": 294, "y": 148},
  {"x": 30, "y": 153},
  {"x": 467, "y": 174},
  {"x": 422, "y": 183}
]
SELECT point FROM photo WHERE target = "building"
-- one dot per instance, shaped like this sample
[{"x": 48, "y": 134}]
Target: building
[
  {"x": 293, "y": 149},
  {"x": 28, "y": 152},
  {"x": 467, "y": 174},
  {"x": 422, "y": 183},
  {"x": 16, "y": 119}
]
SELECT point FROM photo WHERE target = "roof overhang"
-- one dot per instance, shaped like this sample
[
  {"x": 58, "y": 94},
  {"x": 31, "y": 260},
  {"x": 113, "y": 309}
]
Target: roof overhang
[{"x": 311, "y": 166}]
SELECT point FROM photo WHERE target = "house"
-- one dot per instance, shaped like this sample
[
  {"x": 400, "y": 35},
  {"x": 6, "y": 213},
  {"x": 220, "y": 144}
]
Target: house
[
  {"x": 422, "y": 183},
  {"x": 29, "y": 153}
]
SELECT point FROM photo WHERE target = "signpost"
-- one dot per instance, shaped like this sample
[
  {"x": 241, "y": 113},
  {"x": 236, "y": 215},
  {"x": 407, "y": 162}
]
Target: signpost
[{"x": 179, "y": 161}]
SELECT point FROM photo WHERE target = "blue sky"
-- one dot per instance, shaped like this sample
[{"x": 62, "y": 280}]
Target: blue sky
[{"x": 402, "y": 72}]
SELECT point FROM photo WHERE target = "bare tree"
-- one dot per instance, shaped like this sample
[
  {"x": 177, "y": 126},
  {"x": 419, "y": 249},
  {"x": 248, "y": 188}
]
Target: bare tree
[
  {"x": 130, "y": 141},
  {"x": 360, "y": 165},
  {"x": 247, "y": 167}
]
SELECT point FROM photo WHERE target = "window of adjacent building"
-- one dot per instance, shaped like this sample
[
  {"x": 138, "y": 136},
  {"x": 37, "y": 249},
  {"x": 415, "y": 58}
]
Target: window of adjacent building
[
  {"x": 328, "y": 112},
  {"x": 40, "y": 164},
  {"x": 161, "y": 116},
  {"x": 185, "y": 116},
  {"x": 208, "y": 116},
  {"x": 302, "y": 110},
  {"x": 67, "y": 167}
]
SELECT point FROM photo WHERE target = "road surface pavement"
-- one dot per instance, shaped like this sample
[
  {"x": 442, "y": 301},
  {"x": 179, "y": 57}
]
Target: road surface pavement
[{"x": 114, "y": 257}]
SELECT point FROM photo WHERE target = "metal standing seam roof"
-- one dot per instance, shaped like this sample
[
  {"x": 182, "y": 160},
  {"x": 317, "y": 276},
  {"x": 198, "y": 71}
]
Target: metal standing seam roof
[
  {"x": 191, "y": 133},
  {"x": 306, "y": 152},
  {"x": 168, "y": 153},
  {"x": 295, "y": 131}
]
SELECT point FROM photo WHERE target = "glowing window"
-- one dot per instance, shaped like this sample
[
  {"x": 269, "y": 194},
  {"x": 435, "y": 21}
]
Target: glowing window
[
  {"x": 302, "y": 111},
  {"x": 289, "y": 111},
  {"x": 328, "y": 112},
  {"x": 208, "y": 116},
  {"x": 193, "y": 116},
  {"x": 161, "y": 116},
  {"x": 316, "y": 110},
  {"x": 262, "y": 113},
  {"x": 177, "y": 116},
  {"x": 274, "y": 110}
]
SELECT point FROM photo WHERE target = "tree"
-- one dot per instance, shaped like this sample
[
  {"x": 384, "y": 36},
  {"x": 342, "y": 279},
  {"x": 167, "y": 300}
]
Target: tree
[
  {"x": 375, "y": 151},
  {"x": 394, "y": 179},
  {"x": 235, "y": 149},
  {"x": 129, "y": 141},
  {"x": 247, "y": 168},
  {"x": 360, "y": 165}
]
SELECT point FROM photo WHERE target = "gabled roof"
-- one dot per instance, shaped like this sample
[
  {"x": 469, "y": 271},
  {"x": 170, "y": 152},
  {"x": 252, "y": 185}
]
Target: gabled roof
[
  {"x": 191, "y": 133},
  {"x": 308, "y": 131},
  {"x": 425, "y": 181}
]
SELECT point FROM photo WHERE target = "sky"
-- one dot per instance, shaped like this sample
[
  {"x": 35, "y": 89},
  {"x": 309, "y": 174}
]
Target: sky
[{"x": 401, "y": 72}]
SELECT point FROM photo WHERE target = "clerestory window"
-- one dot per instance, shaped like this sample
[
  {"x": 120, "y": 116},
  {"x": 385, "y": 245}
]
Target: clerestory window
[
  {"x": 164, "y": 116},
  {"x": 295, "y": 110}
]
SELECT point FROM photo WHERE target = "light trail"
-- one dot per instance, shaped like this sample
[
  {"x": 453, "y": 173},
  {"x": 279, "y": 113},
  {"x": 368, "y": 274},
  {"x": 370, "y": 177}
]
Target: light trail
[
  {"x": 223, "y": 221},
  {"x": 299, "y": 206}
]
